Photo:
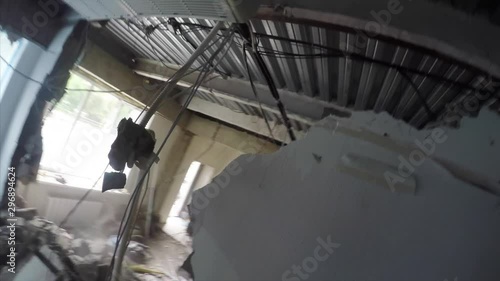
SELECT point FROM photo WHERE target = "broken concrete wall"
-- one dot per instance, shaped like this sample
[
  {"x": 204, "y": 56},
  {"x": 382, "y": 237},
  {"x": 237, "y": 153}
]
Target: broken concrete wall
[
  {"x": 468, "y": 148},
  {"x": 199, "y": 149},
  {"x": 324, "y": 208},
  {"x": 213, "y": 145}
]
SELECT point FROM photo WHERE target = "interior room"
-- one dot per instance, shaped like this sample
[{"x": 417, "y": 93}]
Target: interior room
[{"x": 249, "y": 140}]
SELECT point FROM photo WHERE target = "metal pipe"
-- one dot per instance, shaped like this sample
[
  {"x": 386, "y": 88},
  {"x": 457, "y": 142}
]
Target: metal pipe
[
  {"x": 178, "y": 75},
  {"x": 274, "y": 92},
  {"x": 151, "y": 201},
  {"x": 122, "y": 246},
  {"x": 127, "y": 232}
]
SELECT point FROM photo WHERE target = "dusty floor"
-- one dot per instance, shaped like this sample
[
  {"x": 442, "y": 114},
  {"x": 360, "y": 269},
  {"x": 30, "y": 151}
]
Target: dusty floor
[{"x": 168, "y": 255}]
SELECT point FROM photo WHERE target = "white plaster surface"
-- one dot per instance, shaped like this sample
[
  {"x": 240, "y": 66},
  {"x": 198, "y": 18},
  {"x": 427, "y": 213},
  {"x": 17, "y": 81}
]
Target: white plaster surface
[
  {"x": 474, "y": 146},
  {"x": 266, "y": 215}
]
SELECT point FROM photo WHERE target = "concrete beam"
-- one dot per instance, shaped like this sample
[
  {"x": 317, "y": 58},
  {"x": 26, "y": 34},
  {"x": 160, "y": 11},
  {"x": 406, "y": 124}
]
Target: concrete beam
[
  {"x": 235, "y": 139},
  {"x": 301, "y": 108},
  {"x": 250, "y": 123}
]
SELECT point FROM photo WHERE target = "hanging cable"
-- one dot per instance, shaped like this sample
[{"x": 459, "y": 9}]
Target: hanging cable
[
  {"x": 52, "y": 88},
  {"x": 275, "y": 94},
  {"x": 245, "y": 32},
  {"x": 336, "y": 52},
  {"x": 129, "y": 218},
  {"x": 84, "y": 197},
  {"x": 245, "y": 59},
  {"x": 430, "y": 113},
  {"x": 93, "y": 186},
  {"x": 149, "y": 30},
  {"x": 73, "y": 210}
]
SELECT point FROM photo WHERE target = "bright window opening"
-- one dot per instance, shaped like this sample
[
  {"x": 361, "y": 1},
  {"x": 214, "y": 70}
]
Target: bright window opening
[
  {"x": 185, "y": 190},
  {"x": 78, "y": 133}
]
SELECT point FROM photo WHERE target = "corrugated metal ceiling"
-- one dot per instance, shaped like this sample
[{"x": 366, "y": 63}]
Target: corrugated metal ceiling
[{"x": 345, "y": 81}]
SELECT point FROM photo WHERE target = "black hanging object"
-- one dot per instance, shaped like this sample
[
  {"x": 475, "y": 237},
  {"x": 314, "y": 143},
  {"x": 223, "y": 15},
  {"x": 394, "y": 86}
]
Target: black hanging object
[
  {"x": 132, "y": 143},
  {"x": 113, "y": 181},
  {"x": 175, "y": 25}
]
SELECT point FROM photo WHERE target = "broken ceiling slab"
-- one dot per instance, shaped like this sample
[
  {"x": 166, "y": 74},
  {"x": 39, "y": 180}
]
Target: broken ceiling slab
[
  {"x": 294, "y": 215},
  {"x": 466, "y": 151}
]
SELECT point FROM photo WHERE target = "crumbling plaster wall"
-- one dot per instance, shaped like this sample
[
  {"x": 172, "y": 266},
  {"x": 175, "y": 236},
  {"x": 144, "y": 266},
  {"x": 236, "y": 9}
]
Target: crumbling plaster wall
[
  {"x": 204, "y": 151},
  {"x": 37, "y": 195},
  {"x": 329, "y": 191},
  {"x": 468, "y": 150},
  {"x": 215, "y": 146}
]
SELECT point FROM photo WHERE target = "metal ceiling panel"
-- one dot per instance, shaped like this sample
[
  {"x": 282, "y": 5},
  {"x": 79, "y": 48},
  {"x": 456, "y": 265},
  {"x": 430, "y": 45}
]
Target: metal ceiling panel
[
  {"x": 108, "y": 9},
  {"x": 346, "y": 81}
]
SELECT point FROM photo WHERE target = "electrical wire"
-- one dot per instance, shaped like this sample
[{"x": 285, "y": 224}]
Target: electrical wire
[
  {"x": 399, "y": 69},
  {"x": 246, "y": 34},
  {"x": 275, "y": 94},
  {"x": 198, "y": 82},
  {"x": 134, "y": 193},
  {"x": 169, "y": 67},
  {"x": 70, "y": 213},
  {"x": 52, "y": 88},
  {"x": 200, "y": 79},
  {"x": 81, "y": 200},
  {"x": 73, "y": 210},
  {"x": 126, "y": 219},
  {"x": 336, "y": 53},
  {"x": 149, "y": 30},
  {"x": 428, "y": 110},
  {"x": 245, "y": 59},
  {"x": 355, "y": 56},
  {"x": 196, "y": 69},
  {"x": 202, "y": 56},
  {"x": 19, "y": 72}
]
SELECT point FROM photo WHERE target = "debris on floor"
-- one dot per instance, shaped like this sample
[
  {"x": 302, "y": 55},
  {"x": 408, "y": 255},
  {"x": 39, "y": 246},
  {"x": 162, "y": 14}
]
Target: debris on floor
[{"x": 86, "y": 258}]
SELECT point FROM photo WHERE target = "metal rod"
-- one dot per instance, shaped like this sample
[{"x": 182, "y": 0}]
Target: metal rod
[
  {"x": 123, "y": 243},
  {"x": 47, "y": 263},
  {"x": 274, "y": 92},
  {"x": 151, "y": 201},
  {"x": 122, "y": 246},
  {"x": 178, "y": 75}
]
